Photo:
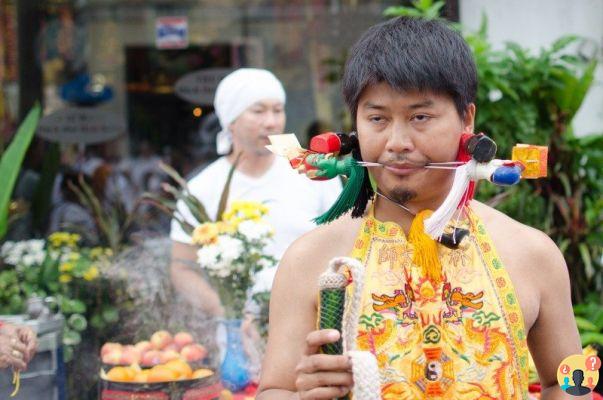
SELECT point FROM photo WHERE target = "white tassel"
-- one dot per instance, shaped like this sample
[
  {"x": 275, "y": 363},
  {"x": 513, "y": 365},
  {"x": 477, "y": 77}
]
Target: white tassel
[{"x": 436, "y": 223}]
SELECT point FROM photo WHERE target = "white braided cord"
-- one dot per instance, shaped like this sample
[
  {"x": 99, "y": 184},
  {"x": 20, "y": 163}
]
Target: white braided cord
[{"x": 365, "y": 370}]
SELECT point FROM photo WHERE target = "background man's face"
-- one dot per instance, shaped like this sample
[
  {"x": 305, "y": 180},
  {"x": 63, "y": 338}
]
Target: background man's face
[
  {"x": 396, "y": 128},
  {"x": 251, "y": 129}
]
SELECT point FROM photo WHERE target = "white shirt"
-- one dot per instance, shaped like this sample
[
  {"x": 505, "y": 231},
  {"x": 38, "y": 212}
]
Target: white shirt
[{"x": 293, "y": 200}]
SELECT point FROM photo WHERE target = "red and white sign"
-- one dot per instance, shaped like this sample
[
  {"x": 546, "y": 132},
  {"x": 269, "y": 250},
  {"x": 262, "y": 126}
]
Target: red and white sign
[{"x": 171, "y": 32}]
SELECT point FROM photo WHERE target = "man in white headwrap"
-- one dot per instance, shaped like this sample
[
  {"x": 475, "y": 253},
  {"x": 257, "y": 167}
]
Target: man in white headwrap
[{"x": 250, "y": 104}]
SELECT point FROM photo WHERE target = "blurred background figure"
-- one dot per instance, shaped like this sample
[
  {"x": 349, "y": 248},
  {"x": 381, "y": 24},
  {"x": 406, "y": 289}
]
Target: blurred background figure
[
  {"x": 69, "y": 215},
  {"x": 250, "y": 104}
]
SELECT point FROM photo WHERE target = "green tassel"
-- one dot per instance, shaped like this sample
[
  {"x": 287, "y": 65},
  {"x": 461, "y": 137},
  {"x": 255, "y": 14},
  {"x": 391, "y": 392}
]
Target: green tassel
[
  {"x": 348, "y": 195},
  {"x": 373, "y": 182}
]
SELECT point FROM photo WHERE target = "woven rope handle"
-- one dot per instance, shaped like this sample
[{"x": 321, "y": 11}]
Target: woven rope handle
[{"x": 333, "y": 315}]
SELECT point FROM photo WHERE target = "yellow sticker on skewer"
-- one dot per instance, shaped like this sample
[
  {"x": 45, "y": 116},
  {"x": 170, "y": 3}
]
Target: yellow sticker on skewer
[
  {"x": 534, "y": 159},
  {"x": 16, "y": 382}
]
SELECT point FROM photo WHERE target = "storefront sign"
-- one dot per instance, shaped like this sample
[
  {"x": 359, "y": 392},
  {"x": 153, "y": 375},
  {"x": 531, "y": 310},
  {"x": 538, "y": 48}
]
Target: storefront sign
[
  {"x": 171, "y": 32},
  {"x": 81, "y": 125},
  {"x": 199, "y": 87}
]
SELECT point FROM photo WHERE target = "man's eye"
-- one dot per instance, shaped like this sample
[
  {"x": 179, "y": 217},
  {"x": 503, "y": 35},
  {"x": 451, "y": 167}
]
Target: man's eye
[
  {"x": 376, "y": 119},
  {"x": 421, "y": 118}
]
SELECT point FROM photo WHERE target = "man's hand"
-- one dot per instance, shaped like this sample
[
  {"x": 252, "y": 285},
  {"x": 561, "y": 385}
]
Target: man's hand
[
  {"x": 322, "y": 376},
  {"x": 29, "y": 340},
  {"x": 13, "y": 352}
]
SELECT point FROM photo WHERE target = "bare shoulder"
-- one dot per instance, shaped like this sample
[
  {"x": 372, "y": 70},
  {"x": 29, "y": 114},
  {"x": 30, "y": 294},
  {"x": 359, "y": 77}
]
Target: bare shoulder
[
  {"x": 521, "y": 244},
  {"x": 309, "y": 255}
]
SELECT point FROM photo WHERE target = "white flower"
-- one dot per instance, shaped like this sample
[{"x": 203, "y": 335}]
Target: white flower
[
  {"x": 37, "y": 245},
  {"x": 207, "y": 256},
  {"x": 6, "y": 248},
  {"x": 265, "y": 263},
  {"x": 494, "y": 95},
  {"x": 28, "y": 260},
  {"x": 24, "y": 253},
  {"x": 254, "y": 231},
  {"x": 230, "y": 248}
]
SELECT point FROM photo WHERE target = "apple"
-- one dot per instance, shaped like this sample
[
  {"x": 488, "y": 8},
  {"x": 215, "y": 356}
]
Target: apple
[
  {"x": 151, "y": 358},
  {"x": 130, "y": 355},
  {"x": 169, "y": 355},
  {"x": 182, "y": 339},
  {"x": 160, "y": 339},
  {"x": 171, "y": 347},
  {"x": 143, "y": 346},
  {"x": 112, "y": 357},
  {"x": 109, "y": 347},
  {"x": 193, "y": 352}
]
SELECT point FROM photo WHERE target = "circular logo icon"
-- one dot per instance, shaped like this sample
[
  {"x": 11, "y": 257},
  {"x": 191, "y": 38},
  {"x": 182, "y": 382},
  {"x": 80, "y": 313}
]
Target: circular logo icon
[{"x": 578, "y": 374}]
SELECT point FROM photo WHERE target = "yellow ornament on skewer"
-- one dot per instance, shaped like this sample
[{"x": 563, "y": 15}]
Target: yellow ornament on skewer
[{"x": 16, "y": 382}]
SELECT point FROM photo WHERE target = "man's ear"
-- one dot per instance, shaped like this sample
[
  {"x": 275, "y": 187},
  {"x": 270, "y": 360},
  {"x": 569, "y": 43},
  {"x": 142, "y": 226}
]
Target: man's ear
[{"x": 469, "y": 118}]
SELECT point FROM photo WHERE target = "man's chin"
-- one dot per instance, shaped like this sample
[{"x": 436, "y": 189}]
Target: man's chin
[{"x": 263, "y": 152}]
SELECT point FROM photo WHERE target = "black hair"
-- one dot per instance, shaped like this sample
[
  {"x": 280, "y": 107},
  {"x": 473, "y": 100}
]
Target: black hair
[{"x": 411, "y": 54}]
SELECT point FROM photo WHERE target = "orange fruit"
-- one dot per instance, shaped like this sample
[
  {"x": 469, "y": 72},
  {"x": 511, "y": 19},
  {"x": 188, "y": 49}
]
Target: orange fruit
[
  {"x": 161, "y": 374},
  {"x": 141, "y": 376},
  {"x": 121, "y": 374},
  {"x": 202, "y": 373},
  {"x": 181, "y": 367}
]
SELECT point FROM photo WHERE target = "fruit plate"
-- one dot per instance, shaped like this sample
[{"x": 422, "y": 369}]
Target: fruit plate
[{"x": 206, "y": 388}]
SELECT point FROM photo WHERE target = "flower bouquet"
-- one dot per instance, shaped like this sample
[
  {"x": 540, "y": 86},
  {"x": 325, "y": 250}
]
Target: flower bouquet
[
  {"x": 232, "y": 252},
  {"x": 231, "y": 248}
]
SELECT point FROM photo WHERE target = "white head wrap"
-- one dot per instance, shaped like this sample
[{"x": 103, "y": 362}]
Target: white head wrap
[{"x": 238, "y": 91}]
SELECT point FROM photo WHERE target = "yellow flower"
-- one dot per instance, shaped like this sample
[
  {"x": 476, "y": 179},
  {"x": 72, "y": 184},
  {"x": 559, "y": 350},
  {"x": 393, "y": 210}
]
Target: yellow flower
[
  {"x": 205, "y": 233},
  {"x": 244, "y": 210},
  {"x": 59, "y": 239},
  {"x": 74, "y": 256},
  {"x": 225, "y": 227},
  {"x": 64, "y": 278},
  {"x": 66, "y": 267},
  {"x": 96, "y": 252},
  {"x": 73, "y": 239},
  {"x": 91, "y": 273}
]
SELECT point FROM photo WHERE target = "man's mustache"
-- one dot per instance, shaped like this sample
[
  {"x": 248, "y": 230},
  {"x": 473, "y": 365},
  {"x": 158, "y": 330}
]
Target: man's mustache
[{"x": 404, "y": 159}]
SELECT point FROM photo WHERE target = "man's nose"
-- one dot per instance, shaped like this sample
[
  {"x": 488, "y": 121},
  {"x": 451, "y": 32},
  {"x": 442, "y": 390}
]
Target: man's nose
[
  {"x": 271, "y": 119},
  {"x": 400, "y": 139}
]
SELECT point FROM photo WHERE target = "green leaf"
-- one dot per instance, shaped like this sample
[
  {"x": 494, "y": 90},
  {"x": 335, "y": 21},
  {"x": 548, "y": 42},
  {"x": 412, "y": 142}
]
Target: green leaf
[
  {"x": 49, "y": 272},
  {"x": 572, "y": 91},
  {"x": 585, "y": 325},
  {"x": 97, "y": 321},
  {"x": 111, "y": 314},
  {"x": 77, "y": 322},
  {"x": 425, "y": 9},
  {"x": 562, "y": 43},
  {"x": 10, "y": 163},
  {"x": 591, "y": 338},
  {"x": 71, "y": 337},
  {"x": 68, "y": 353},
  {"x": 226, "y": 190},
  {"x": 73, "y": 306},
  {"x": 588, "y": 264}
]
